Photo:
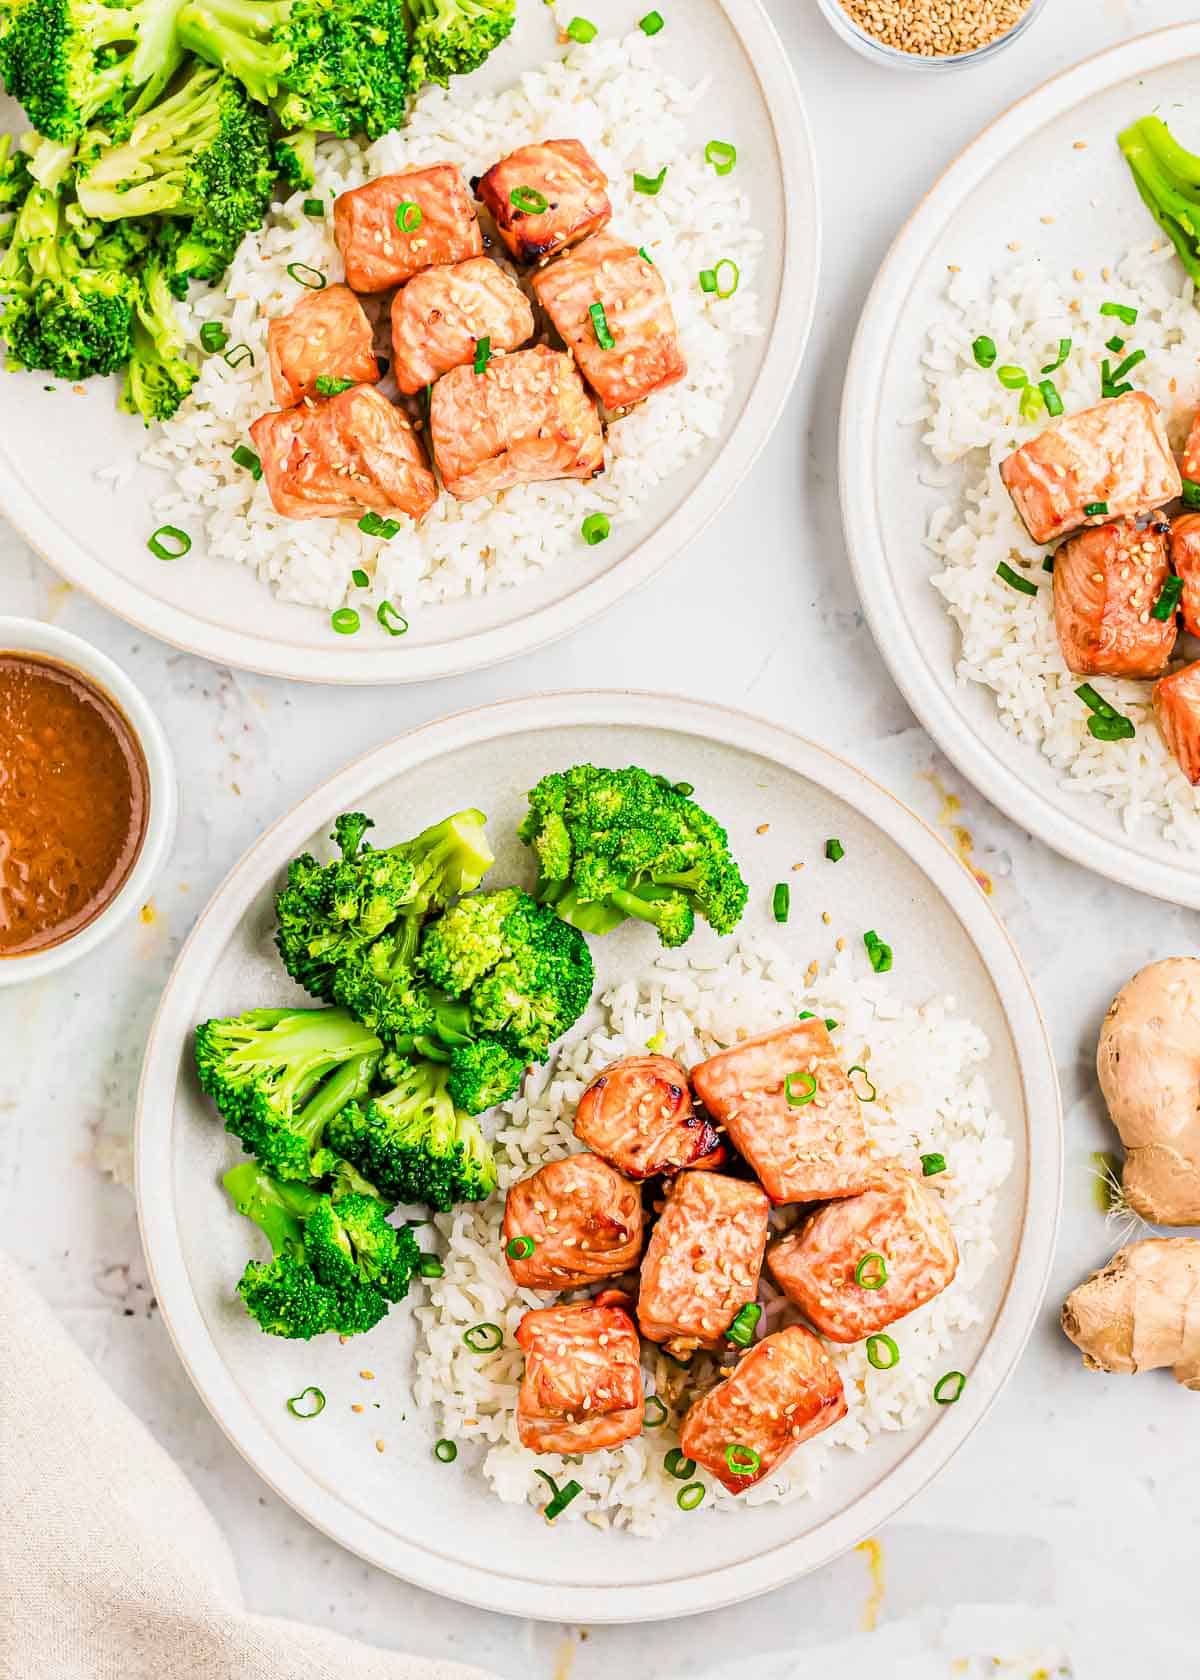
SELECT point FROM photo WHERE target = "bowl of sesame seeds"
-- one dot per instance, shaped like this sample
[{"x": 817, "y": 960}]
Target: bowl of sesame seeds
[{"x": 929, "y": 34}]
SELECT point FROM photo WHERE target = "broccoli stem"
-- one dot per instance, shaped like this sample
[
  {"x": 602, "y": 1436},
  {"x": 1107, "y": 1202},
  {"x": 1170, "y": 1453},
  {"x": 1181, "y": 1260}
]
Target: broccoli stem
[
  {"x": 145, "y": 175},
  {"x": 597, "y": 916},
  {"x": 349, "y": 1082},
  {"x": 1174, "y": 207},
  {"x": 279, "y": 1210}
]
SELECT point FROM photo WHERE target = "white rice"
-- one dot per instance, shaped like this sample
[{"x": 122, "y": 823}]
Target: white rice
[
  {"x": 931, "y": 1097},
  {"x": 619, "y": 97},
  {"x": 971, "y": 423}
]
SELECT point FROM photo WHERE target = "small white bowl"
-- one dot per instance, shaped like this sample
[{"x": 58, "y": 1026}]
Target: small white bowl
[
  {"x": 893, "y": 58},
  {"x": 29, "y": 635}
]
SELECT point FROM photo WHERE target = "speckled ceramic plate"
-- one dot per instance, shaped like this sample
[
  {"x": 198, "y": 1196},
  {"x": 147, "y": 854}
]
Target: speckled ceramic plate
[
  {"x": 51, "y": 447},
  {"x": 438, "y": 1525},
  {"x": 1063, "y": 137}
]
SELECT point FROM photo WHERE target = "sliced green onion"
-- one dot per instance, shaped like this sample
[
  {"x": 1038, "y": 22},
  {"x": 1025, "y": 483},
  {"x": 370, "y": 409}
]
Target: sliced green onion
[
  {"x": 955, "y": 1380},
  {"x": 373, "y": 524},
  {"x": 871, "y": 1271},
  {"x": 1168, "y": 601},
  {"x": 314, "y": 207},
  {"x": 834, "y": 850},
  {"x": 581, "y": 30},
  {"x": 932, "y": 1164},
  {"x": 800, "y": 1088},
  {"x": 1107, "y": 724},
  {"x": 1014, "y": 580},
  {"x": 675, "y": 1464},
  {"x": 1031, "y": 404},
  {"x": 645, "y": 255},
  {"x": 359, "y": 578},
  {"x": 1048, "y": 563},
  {"x": 807, "y": 1015},
  {"x": 1127, "y": 366},
  {"x": 327, "y": 385},
  {"x": 781, "y": 901},
  {"x": 871, "y": 1092},
  {"x": 1191, "y": 493},
  {"x": 315, "y": 1407},
  {"x": 1095, "y": 510},
  {"x": 445, "y": 1451},
  {"x": 650, "y": 184},
  {"x": 741, "y": 1331},
  {"x": 409, "y": 215},
  {"x": 660, "y": 1414},
  {"x": 483, "y": 354},
  {"x": 519, "y": 1248},
  {"x": 685, "y": 790},
  {"x": 604, "y": 338},
  {"x": 239, "y": 354},
  {"x": 213, "y": 336},
  {"x": 711, "y": 281},
  {"x": 721, "y": 155},
  {"x": 1051, "y": 398},
  {"x": 484, "y": 1338},
  {"x": 877, "y": 1348},
  {"x": 879, "y": 953},
  {"x": 430, "y": 1265},
  {"x": 1064, "y": 350},
  {"x": 984, "y": 350},
  {"x": 690, "y": 1496},
  {"x": 741, "y": 1460},
  {"x": 595, "y": 528},
  {"x": 560, "y": 1497},
  {"x": 345, "y": 621},
  {"x": 305, "y": 275},
  {"x": 1012, "y": 378},
  {"x": 244, "y": 457},
  {"x": 1115, "y": 344},
  {"x": 657, "y": 1043},
  {"x": 651, "y": 23},
  {"x": 169, "y": 543},
  {"x": 1108, "y": 386},
  {"x": 1122, "y": 311},
  {"x": 528, "y": 200}
]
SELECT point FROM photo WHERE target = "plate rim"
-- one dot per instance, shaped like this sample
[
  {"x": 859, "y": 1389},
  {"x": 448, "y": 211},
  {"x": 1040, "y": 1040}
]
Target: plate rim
[
  {"x": 783, "y": 352},
  {"x": 1016, "y": 1315},
  {"x": 859, "y": 425}
]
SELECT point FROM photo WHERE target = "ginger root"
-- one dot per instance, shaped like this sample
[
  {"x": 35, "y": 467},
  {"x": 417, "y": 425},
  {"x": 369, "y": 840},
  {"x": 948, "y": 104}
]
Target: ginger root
[
  {"x": 1141, "y": 1311},
  {"x": 1148, "y": 1062}
]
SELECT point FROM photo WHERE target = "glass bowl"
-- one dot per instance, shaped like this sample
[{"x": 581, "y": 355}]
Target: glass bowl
[{"x": 892, "y": 58}]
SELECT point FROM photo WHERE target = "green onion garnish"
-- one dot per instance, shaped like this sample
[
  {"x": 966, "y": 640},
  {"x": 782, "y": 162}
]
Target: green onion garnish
[
  {"x": 519, "y": 1248},
  {"x": 581, "y": 30},
  {"x": 560, "y": 1497},
  {"x": 373, "y": 524},
  {"x": 807, "y": 1015},
  {"x": 314, "y": 207},
  {"x": 1168, "y": 600},
  {"x": 604, "y": 338},
  {"x": 1012, "y": 378},
  {"x": 879, "y": 953},
  {"x": 871, "y": 1271},
  {"x": 1115, "y": 344},
  {"x": 834, "y": 850},
  {"x": 651, "y": 23},
  {"x": 871, "y": 1092},
  {"x": 1191, "y": 493},
  {"x": 1048, "y": 563},
  {"x": 1051, "y": 398},
  {"x": 956, "y": 1379},
  {"x": 528, "y": 200},
  {"x": 445, "y": 1451},
  {"x": 327, "y": 385},
  {"x": 781, "y": 900},
  {"x": 385, "y": 612},
  {"x": 711, "y": 281},
  {"x": 650, "y": 184},
  {"x": 1031, "y": 404},
  {"x": 1106, "y": 724},
  {"x": 345, "y": 621},
  {"x": 1128, "y": 365},
  {"x": 409, "y": 215},
  {"x": 483, "y": 354},
  {"x": 741, "y": 1331},
  {"x": 1122, "y": 311},
  {"x": 659, "y": 1416},
  {"x": 984, "y": 350},
  {"x": 882, "y": 1352},
  {"x": 359, "y": 578},
  {"x": 675, "y": 1464},
  {"x": 690, "y": 1496},
  {"x": 1096, "y": 510},
  {"x": 244, "y": 457},
  {"x": 213, "y": 336},
  {"x": 685, "y": 790},
  {"x": 429, "y": 1265},
  {"x": 741, "y": 1460},
  {"x": 595, "y": 528},
  {"x": 1014, "y": 580},
  {"x": 645, "y": 255},
  {"x": 304, "y": 275},
  {"x": 932, "y": 1164},
  {"x": 239, "y": 354},
  {"x": 169, "y": 543},
  {"x": 315, "y": 1407},
  {"x": 484, "y": 1338},
  {"x": 1064, "y": 350},
  {"x": 1107, "y": 387},
  {"x": 721, "y": 155},
  {"x": 800, "y": 1088}
]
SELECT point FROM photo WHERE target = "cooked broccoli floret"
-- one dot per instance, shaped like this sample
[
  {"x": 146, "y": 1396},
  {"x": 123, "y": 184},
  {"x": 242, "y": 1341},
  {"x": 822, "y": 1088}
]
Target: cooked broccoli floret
[
  {"x": 296, "y": 157},
  {"x": 453, "y": 37},
  {"x": 350, "y": 1246},
  {"x": 159, "y": 376},
  {"x": 334, "y": 65},
  {"x": 279, "y": 1075},
  {"x": 617, "y": 843},
  {"x": 330, "y": 912},
  {"x": 412, "y": 1142},
  {"x": 483, "y": 1074}
]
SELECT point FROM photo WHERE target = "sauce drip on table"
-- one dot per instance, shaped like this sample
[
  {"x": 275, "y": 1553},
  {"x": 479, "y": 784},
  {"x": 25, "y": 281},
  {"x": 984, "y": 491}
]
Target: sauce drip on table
[{"x": 74, "y": 798}]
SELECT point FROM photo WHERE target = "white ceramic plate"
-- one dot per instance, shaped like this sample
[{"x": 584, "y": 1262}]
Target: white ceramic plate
[
  {"x": 51, "y": 446},
  {"x": 437, "y": 1525},
  {"x": 1026, "y": 165}
]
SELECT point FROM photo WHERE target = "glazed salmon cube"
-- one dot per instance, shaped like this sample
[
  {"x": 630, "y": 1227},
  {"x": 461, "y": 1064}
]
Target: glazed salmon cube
[
  {"x": 571, "y": 1223},
  {"x": 637, "y": 326},
  {"x": 638, "y": 1116},
  {"x": 1191, "y": 452},
  {"x": 326, "y": 336},
  {"x": 702, "y": 1265},
  {"x": 782, "y": 1392},
  {"x": 380, "y": 253},
  {"x": 356, "y": 451},
  {"x": 560, "y": 175},
  {"x": 1177, "y": 708},
  {"x": 1113, "y": 458},
  {"x": 439, "y": 318},
  {"x": 1185, "y": 557},
  {"x": 1106, "y": 581},
  {"x": 582, "y": 1388},
  {"x": 525, "y": 417},
  {"x": 789, "y": 1108},
  {"x": 898, "y": 1218}
]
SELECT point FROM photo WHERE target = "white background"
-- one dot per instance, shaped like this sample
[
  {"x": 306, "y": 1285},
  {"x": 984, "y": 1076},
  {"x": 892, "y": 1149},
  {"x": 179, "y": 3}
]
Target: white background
[{"x": 1072, "y": 1473}]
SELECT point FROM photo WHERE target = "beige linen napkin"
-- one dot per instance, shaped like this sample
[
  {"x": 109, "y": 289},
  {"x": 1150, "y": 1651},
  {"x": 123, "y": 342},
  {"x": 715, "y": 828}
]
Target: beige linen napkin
[{"x": 110, "y": 1567}]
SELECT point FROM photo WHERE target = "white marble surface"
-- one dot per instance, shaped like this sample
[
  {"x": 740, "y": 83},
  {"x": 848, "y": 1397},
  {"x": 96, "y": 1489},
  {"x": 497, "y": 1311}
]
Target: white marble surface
[{"x": 1072, "y": 1473}]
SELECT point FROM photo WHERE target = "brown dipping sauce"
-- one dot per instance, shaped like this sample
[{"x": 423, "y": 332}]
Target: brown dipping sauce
[{"x": 74, "y": 800}]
